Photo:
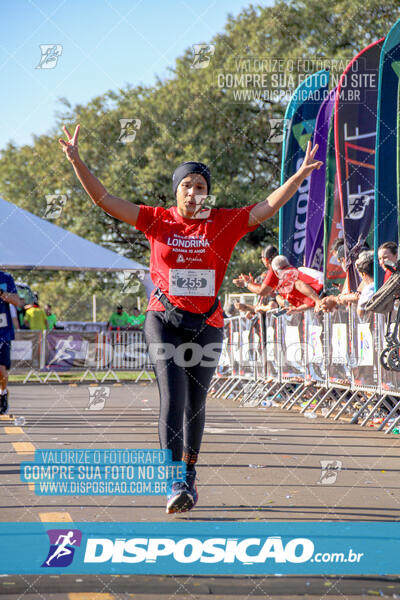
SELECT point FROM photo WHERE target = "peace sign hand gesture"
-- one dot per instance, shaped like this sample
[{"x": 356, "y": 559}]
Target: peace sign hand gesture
[
  {"x": 71, "y": 146},
  {"x": 309, "y": 164}
]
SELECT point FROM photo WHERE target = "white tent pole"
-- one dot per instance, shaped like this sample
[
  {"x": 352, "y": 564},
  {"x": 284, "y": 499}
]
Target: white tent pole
[{"x": 94, "y": 308}]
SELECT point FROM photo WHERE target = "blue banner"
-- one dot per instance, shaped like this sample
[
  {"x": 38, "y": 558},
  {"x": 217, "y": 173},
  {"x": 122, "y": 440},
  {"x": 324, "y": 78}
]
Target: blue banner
[
  {"x": 387, "y": 147},
  {"x": 200, "y": 548},
  {"x": 299, "y": 125},
  {"x": 355, "y": 137}
]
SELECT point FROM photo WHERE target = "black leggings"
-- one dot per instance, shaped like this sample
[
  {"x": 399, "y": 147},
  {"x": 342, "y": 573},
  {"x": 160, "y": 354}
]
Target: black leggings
[{"x": 183, "y": 377}]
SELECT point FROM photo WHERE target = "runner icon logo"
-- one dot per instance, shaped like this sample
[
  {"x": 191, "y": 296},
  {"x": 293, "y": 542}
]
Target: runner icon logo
[
  {"x": 330, "y": 470},
  {"x": 61, "y": 551},
  {"x": 276, "y": 131},
  {"x": 129, "y": 127},
  {"x": 54, "y": 206},
  {"x": 50, "y": 55},
  {"x": 202, "y": 55},
  {"x": 132, "y": 281},
  {"x": 98, "y": 397},
  {"x": 358, "y": 204}
]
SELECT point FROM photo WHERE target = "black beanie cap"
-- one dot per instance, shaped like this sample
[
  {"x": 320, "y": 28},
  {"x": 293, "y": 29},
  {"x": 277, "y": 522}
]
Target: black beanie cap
[{"x": 190, "y": 167}]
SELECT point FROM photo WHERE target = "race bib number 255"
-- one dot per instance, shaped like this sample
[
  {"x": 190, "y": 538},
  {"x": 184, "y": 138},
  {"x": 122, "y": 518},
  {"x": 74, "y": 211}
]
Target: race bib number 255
[{"x": 192, "y": 282}]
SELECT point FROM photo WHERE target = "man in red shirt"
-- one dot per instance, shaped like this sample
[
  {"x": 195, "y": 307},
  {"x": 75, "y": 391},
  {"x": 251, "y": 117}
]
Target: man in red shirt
[
  {"x": 299, "y": 289},
  {"x": 268, "y": 284},
  {"x": 270, "y": 281}
]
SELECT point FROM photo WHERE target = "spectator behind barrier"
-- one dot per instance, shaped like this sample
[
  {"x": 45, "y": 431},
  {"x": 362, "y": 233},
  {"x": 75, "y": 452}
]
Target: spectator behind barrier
[
  {"x": 365, "y": 266},
  {"x": 345, "y": 297},
  {"x": 137, "y": 319},
  {"x": 387, "y": 253},
  {"x": 118, "y": 319},
  {"x": 35, "y": 317},
  {"x": 266, "y": 287},
  {"x": 299, "y": 289},
  {"x": 50, "y": 317},
  {"x": 263, "y": 285}
]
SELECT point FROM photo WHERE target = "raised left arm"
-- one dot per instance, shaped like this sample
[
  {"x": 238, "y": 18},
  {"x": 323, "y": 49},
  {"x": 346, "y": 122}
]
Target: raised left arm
[{"x": 266, "y": 209}]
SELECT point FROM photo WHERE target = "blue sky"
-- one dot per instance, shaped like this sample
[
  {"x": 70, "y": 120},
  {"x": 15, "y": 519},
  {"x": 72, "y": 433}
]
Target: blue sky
[{"x": 105, "y": 45}]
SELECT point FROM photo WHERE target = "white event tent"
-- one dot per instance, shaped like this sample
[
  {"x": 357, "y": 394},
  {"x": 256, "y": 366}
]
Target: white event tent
[{"x": 30, "y": 242}]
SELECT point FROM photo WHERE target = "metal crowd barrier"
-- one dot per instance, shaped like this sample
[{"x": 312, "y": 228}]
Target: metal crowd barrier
[
  {"x": 322, "y": 365},
  {"x": 46, "y": 354}
]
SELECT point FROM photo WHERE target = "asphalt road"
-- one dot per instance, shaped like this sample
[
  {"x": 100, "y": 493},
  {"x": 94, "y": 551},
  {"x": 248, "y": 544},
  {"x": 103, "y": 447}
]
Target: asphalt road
[{"x": 257, "y": 464}]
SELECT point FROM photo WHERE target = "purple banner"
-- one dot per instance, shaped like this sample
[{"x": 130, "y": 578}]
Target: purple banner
[
  {"x": 299, "y": 125},
  {"x": 314, "y": 252},
  {"x": 69, "y": 350}
]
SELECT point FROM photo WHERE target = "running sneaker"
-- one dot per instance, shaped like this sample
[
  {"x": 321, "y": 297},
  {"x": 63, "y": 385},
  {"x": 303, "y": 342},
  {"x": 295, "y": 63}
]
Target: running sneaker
[
  {"x": 183, "y": 497},
  {"x": 3, "y": 403}
]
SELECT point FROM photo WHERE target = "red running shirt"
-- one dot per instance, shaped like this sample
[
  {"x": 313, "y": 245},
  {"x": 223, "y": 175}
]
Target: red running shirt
[
  {"x": 296, "y": 298},
  {"x": 271, "y": 280},
  {"x": 189, "y": 257},
  {"x": 388, "y": 275}
]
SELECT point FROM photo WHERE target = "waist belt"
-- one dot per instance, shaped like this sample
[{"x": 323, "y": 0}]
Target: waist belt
[{"x": 183, "y": 318}]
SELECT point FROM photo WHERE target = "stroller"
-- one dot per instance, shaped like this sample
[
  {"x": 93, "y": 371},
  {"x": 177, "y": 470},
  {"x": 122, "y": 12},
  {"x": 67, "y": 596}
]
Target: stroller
[{"x": 383, "y": 301}]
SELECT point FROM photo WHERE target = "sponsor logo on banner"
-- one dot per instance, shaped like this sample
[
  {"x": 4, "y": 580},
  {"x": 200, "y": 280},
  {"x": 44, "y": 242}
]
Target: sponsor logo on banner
[
  {"x": 67, "y": 350},
  {"x": 358, "y": 205},
  {"x": 62, "y": 547}
]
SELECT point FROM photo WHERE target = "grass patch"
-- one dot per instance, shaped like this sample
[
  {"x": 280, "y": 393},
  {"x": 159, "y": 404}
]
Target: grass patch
[{"x": 75, "y": 376}]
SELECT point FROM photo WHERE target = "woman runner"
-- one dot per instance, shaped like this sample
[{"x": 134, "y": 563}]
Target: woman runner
[{"x": 190, "y": 250}]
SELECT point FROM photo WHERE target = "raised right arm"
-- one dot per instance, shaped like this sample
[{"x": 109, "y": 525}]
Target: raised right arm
[{"x": 116, "y": 207}]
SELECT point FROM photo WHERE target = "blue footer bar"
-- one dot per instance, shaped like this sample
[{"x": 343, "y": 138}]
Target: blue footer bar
[{"x": 200, "y": 548}]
